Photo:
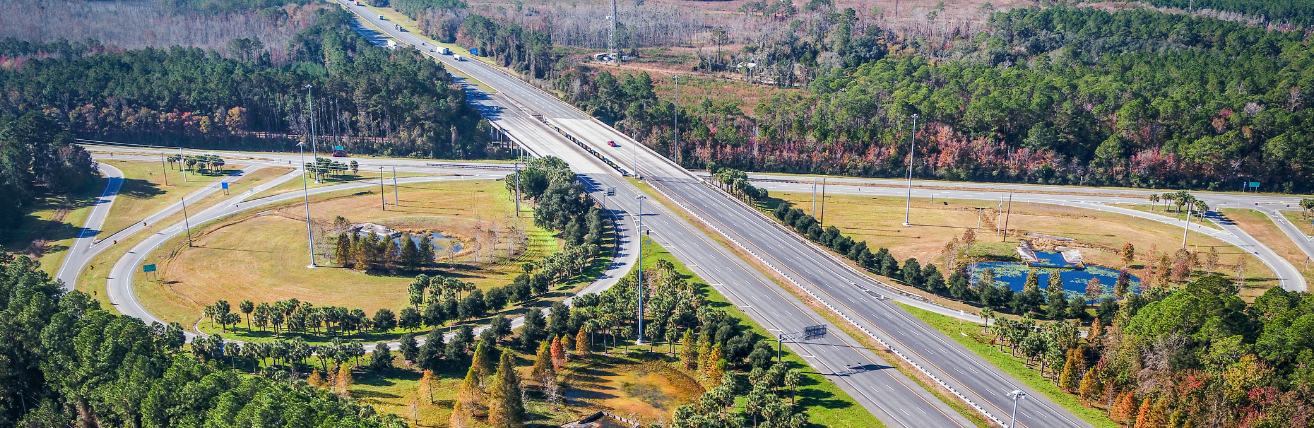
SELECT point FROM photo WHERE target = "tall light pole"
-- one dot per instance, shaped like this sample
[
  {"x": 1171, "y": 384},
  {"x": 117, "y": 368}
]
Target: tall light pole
[
  {"x": 604, "y": 204},
  {"x": 314, "y": 149},
  {"x": 182, "y": 163},
  {"x": 383, "y": 200},
  {"x": 677, "y": 119},
  {"x": 396, "y": 200},
  {"x": 634, "y": 151},
  {"x": 305, "y": 197},
  {"x": 1017, "y": 395},
  {"x": 186, "y": 222},
  {"x": 640, "y": 198},
  {"x": 912, "y": 147}
]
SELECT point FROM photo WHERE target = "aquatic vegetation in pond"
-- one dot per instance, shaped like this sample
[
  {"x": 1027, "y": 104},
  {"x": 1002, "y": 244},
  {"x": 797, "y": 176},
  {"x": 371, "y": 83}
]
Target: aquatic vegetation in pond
[{"x": 1074, "y": 280}]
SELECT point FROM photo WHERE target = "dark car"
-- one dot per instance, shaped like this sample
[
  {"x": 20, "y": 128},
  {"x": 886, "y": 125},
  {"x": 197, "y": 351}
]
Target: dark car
[
  {"x": 613, "y": 144},
  {"x": 339, "y": 154}
]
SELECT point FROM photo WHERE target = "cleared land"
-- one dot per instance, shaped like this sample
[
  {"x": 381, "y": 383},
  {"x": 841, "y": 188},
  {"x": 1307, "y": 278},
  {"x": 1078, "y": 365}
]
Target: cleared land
[
  {"x": 262, "y": 256},
  {"x": 144, "y": 191},
  {"x": 296, "y": 184},
  {"x": 1100, "y": 234},
  {"x": 1258, "y": 225}
]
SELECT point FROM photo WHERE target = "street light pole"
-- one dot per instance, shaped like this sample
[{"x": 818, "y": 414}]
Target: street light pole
[
  {"x": 383, "y": 200},
  {"x": 677, "y": 119},
  {"x": 640, "y": 198},
  {"x": 182, "y": 163},
  {"x": 314, "y": 149},
  {"x": 912, "y": 147},
  {"x": 1017, "y": 395},
  {"x": 305, "y": 195},
  {"x": 164, "y": 169},
  {"x": 395, "y": 199}
]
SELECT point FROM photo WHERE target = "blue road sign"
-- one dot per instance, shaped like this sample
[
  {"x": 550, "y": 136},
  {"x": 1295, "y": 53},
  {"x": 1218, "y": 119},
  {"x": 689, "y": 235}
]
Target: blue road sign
[
  {"x": 148, "y": 268},
  {"x": 474, "y": 51},
  {"x": 225, "y": 184}
]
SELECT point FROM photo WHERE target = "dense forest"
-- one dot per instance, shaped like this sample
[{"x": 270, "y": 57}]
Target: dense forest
[
  {"x": 37, "y": 157},
  {"x": 1298, "y": 12},
  {"x": 367, "y": 98},
  {"x": 68, "y": 362}
]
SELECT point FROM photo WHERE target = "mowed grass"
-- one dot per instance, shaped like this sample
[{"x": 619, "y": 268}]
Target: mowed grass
[
  {"x": 364, "y": 176},
  {"x": 264, "y": 257},
  {"x": 144, "y": 191},
  {"x": 1258, "y": 225},
  {"x": 969, "y": 335},
  {"x": 1302, "y": 222},
  {"x": 879, "y": 222},
  {"x": 92, "y": 279},
  {"x": 823, "y": 400},
  {"x": 1171, "y": 211}
]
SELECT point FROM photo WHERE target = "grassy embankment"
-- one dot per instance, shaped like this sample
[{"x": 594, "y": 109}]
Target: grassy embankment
[
  {"x": 144, "y": 191},
  {"x": 1258, "y": 225},
  {"x": 92, "y": 279},
  {"x": 969, "y": 335},
  {"x": 879, "y": 222},
  {"x": 50, "y": 225}
]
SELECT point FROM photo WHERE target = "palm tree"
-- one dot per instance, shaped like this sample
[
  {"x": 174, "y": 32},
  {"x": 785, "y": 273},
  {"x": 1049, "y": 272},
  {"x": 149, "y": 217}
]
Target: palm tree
[{"x": 1154, "y": 199}]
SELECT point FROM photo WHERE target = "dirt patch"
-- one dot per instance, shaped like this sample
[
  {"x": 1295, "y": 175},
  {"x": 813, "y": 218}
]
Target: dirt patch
[{"x": 651, "y": 390}]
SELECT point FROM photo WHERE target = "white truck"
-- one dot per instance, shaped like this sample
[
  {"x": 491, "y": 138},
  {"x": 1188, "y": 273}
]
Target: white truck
[
  {"x": 458, "y": 58},
  {"x": 444, "y": 51},
  {"x": 392, "y": 44}
]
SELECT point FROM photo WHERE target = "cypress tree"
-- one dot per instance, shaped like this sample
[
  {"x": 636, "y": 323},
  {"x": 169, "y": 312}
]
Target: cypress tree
[
  {"x": 505, "y": 408},
  {"x": 543, "y": 362},
  {"x": 1090, "y": 386},
  {"x": 1056, "y": 298},
  {"x": 1068, "y": 379},
  {"x": 1032, "y": 297},
  {"x": 468, "y": 395},
  {"x": 410, "y": 253},
  {"x": 342, "y": 253},
  {"x": 688, "y": 353},
  {"x": 583, "y": 346},
  {"x": 483, "y": 362}
]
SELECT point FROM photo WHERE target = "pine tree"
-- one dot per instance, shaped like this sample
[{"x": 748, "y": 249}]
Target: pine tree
[
  {"x": 558, "y": 354},
  {"x": 1090, "y": 386},
  {"x": 1057, "y": 299},
  {"x": 410, "y": 253},
  {"x": 342, "y": 253},
  {"x": 483, "y": 361},
  {"x": 687, "y": 351},
  {"x": 543, "y": 362},
  {"x": 583, "y": 346},
  {"x": 505, "y": 408},
  {"x": 1032, "y": 297},
  {"x": 426, "y": 251},
  {"x": 343, "y": 380}
]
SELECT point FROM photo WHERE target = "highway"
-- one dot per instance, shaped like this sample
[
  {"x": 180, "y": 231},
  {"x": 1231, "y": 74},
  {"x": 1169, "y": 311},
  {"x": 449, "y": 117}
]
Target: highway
[
  {"x": 830, "y": 280},
  {"x": 884, "y": 391}
]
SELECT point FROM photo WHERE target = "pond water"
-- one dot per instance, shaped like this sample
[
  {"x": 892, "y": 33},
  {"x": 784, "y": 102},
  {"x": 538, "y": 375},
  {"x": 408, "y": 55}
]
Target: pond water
[{"x": 1074, "y": 280}]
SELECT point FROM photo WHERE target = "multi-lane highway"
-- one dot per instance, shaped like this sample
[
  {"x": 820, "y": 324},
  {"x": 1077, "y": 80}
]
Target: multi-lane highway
[{"x": 828, "y": 279}]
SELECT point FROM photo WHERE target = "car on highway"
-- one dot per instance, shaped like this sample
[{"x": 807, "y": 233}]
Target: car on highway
[
  {"x": 458, "y": 58},
  {"x": 613, "y": 144},
  {"x": 339, "y": 154}
]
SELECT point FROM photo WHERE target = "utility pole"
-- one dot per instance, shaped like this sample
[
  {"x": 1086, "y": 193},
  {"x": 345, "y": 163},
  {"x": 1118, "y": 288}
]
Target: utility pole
[
  {"x": 314, "y": 149},
  {"x": 640, "y": 198},
  {"x": 1187, "y": 228},
  {"x": 822, "y": 220},
  {"x": 186, "y": 222},
  {"x": 677, "y": 119},
  {"x": 164, "y": 169},
  {"x": 305, "y": 197},
  {"x": 517, "y": 164},
  {"x": 978, "y": 219},
  {"x": 1017, "y": 395},
  {"x": 814, "y": 197},
  {"x": 912, "y": 147},
  {"x": 395, "y": 199},
  {"x": 1008, "y": 216},
  {"x": 634, "y": 151},
  {"x": 615, "y": 59},
  {"x": 182, "y": 163},
  {"x": 383, "y": 200}
]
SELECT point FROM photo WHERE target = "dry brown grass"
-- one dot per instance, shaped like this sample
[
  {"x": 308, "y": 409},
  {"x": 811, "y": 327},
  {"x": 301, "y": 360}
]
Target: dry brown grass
[
  {"x": 1261, "y": 227},
  {"x": 263, "y": 257},
  {"x": 879, "y": 222}
]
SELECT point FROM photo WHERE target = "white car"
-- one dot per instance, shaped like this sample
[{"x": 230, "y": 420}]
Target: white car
[{"x": 458, "y": 57}]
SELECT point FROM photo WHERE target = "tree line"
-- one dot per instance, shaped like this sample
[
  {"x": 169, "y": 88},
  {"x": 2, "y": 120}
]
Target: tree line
[
  {"x": 1194, "y": 356},
  {"x": 68, "y": 362},
  {"x": 1298, "y": 12},
  {"x": 367, "y": 98},
  {"x": 37, "y": 159}
]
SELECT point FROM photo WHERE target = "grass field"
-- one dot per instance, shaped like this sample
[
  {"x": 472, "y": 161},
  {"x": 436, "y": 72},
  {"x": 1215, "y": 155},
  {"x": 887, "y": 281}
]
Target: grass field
[
  {"x": 144, "y": 192},
  {"x": 878, "y": 221},
  {"x": 93, "y": 278},
  {"x": 50, "y": 225},
  {"x": 1301, "y": 222},
  {"x": 1258, "y": 225},
  {"x": 969, "y": 335},
  {"x": 296, "y": 184},
  {"x": 1171, "y": 212},
  {"x": 262, "y": 257}
]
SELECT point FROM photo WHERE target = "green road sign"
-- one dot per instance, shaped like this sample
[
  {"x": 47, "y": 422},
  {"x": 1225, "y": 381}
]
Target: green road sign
[
  {"x": 148, "y": 268},
  {"x": 1254, "y": 184},
  {"x": 337, "y": 147}
]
